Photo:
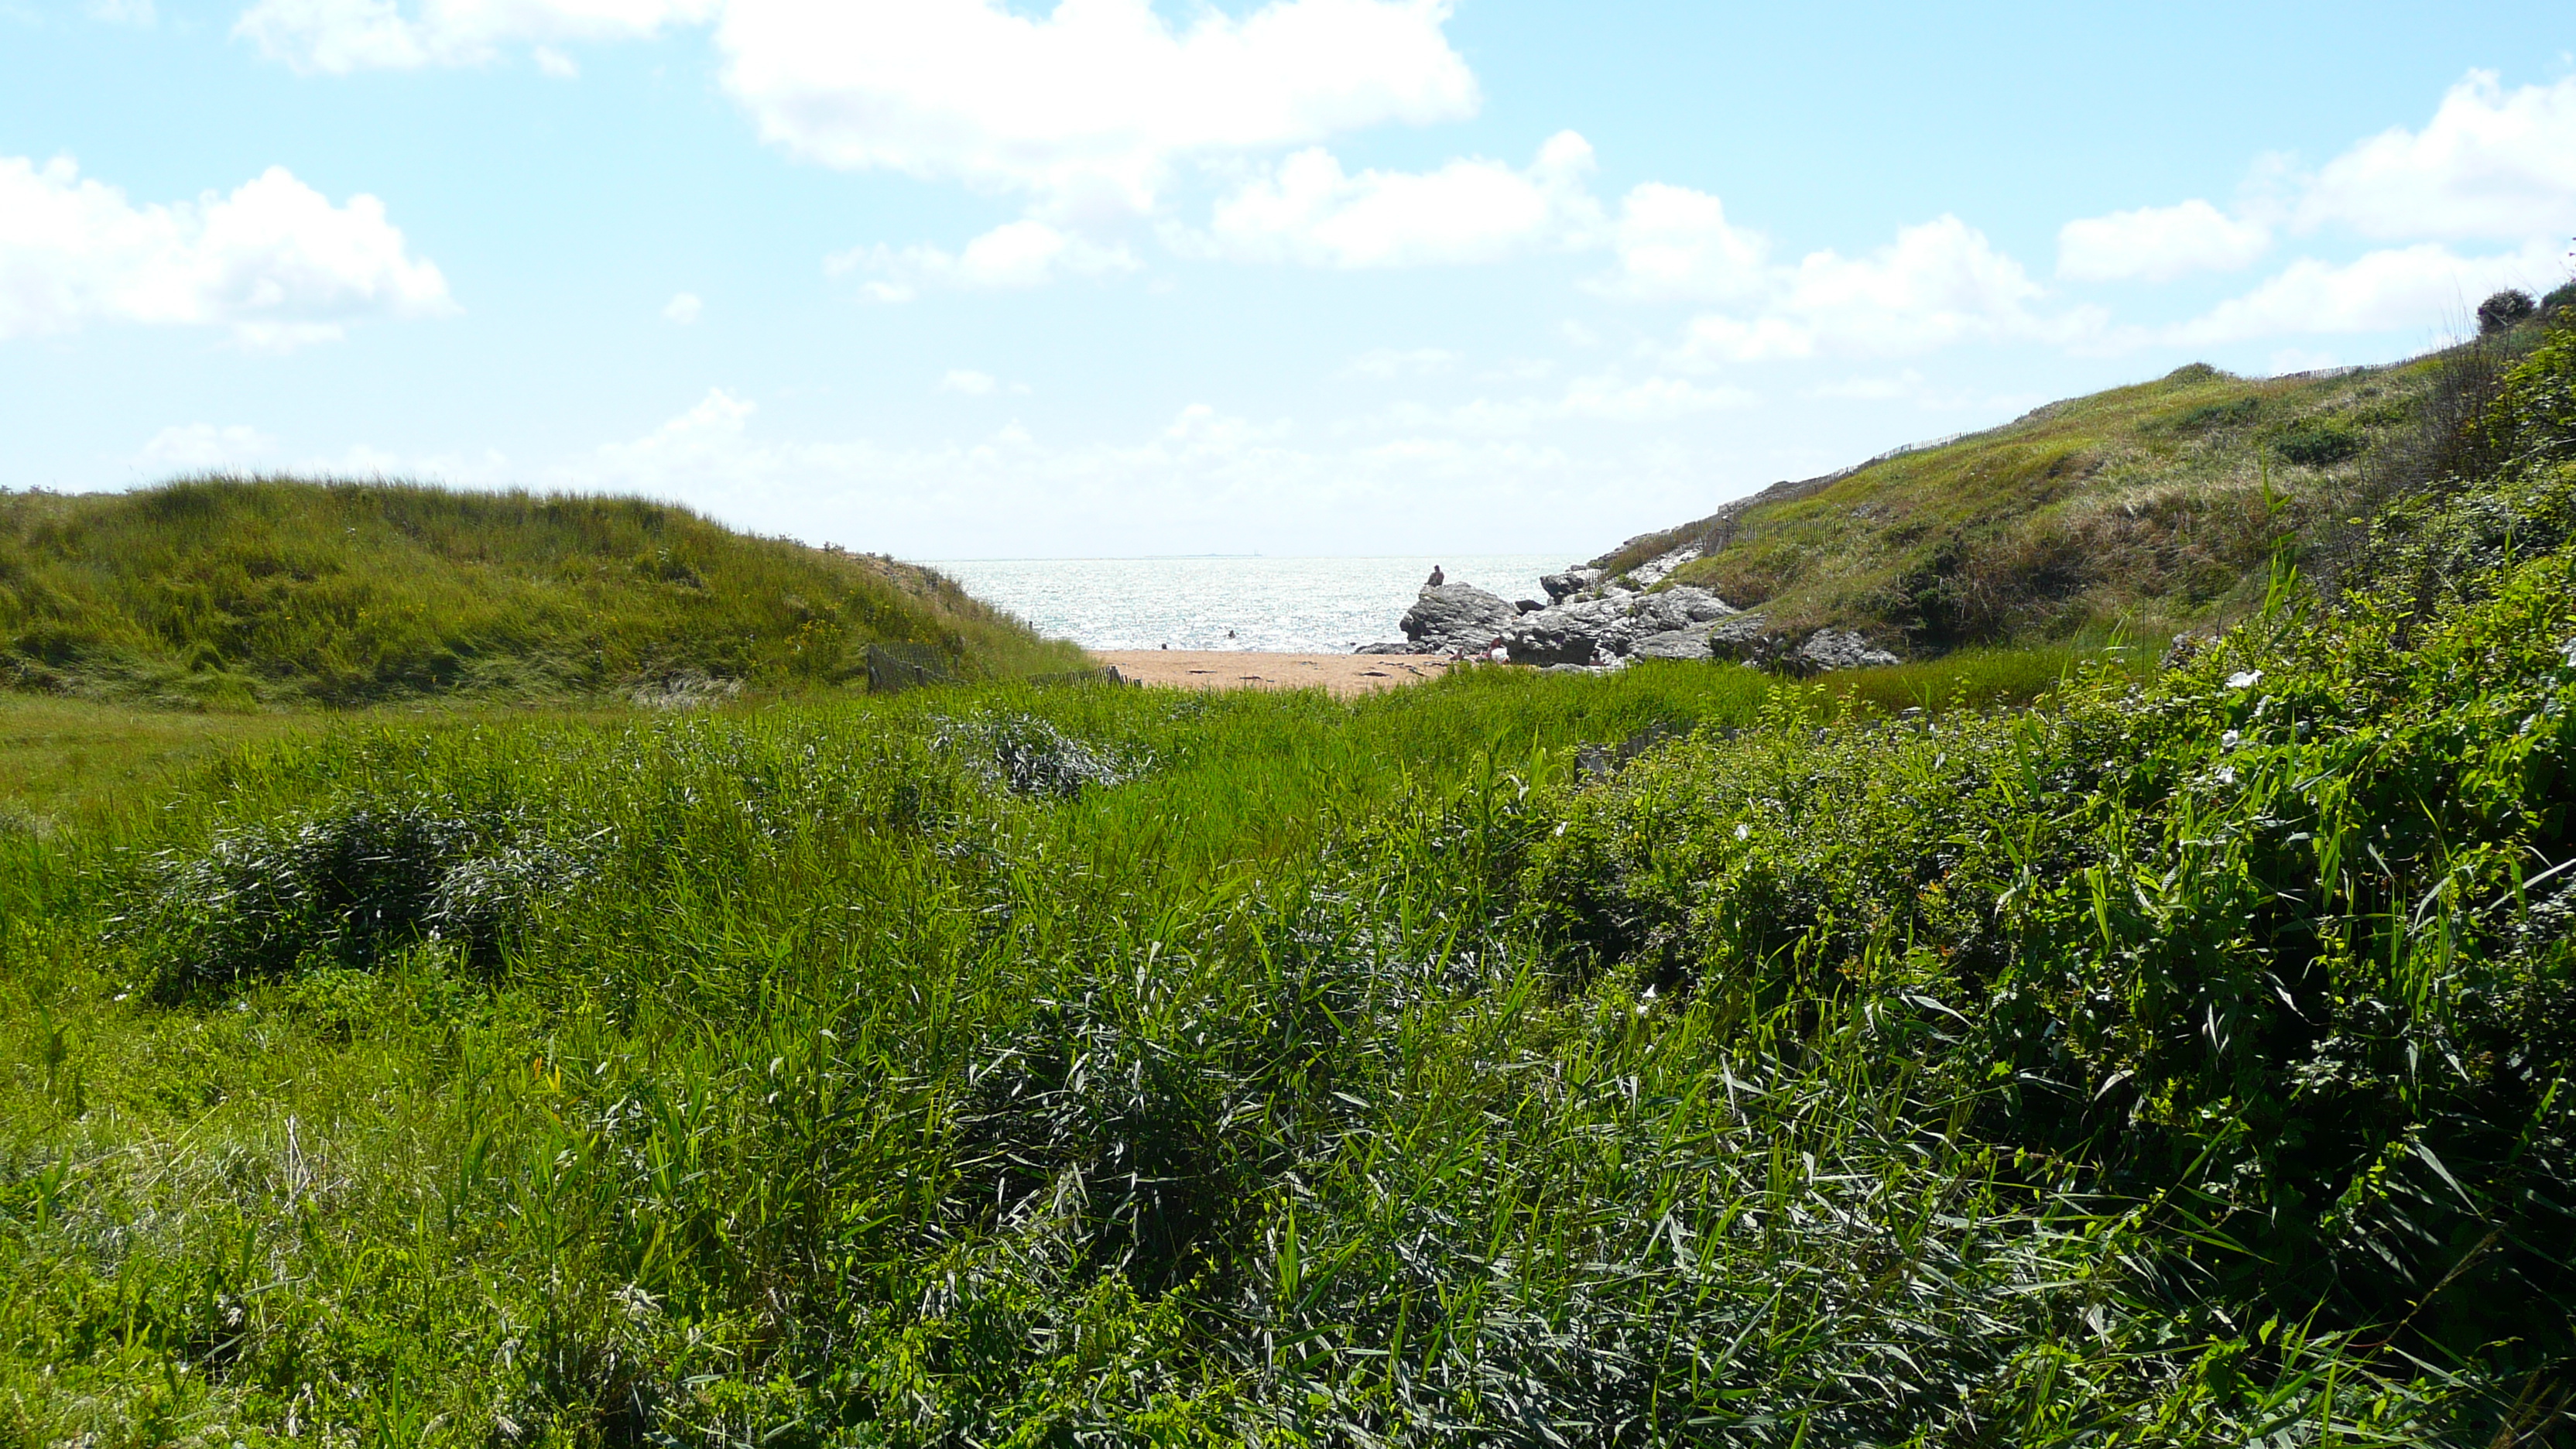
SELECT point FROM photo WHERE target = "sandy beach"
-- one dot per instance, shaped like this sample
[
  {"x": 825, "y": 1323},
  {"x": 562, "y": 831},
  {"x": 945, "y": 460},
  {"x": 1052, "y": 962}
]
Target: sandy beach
[{"x": 1249, "y": 669}]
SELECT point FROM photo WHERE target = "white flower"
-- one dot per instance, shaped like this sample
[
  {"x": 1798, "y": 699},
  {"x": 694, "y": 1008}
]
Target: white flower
[
  {"x": 1744, "y": 832},
  {"x": 2230, "y": 740},
  {"x": 2245, "y": 679}
]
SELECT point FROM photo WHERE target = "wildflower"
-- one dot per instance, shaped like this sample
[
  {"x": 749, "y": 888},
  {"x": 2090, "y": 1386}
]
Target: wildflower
[{"x": 2245, "y": 679}]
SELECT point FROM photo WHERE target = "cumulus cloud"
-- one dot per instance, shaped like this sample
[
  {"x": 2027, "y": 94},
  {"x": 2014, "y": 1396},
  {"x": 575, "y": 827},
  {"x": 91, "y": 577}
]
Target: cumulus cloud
[
  {"x": 2399, "y": 287},
  {"x": 1675, "y": 244},
  {"x": 1936, "y": 284},
  {"x": 339, "y": 36},
  {"x": 2490, "y": 164},
  {"x": 1308, "y": 209},
  {"x": 683, "y": 308},
  {"x": 275, "y": 261},
  {"x": 1087, "y": 108},
  {"x": 1014, "y": 255},
  {"x": 2158, "y": 243}
]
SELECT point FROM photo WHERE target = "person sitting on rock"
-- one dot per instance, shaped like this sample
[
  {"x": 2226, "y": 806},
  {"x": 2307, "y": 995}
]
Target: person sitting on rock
[{"x": 1437, "y": 578}]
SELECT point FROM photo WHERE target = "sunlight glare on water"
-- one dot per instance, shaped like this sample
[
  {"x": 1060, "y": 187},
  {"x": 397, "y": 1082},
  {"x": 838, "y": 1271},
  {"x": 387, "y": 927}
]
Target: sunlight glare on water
[{"x": 1289, "y": 605}]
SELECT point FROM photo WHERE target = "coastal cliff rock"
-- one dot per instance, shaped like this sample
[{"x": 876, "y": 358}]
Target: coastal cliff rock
[
  {"x": 1838, "y": 649},
  {"x": 1573, "y": 581},
  {"x": 1592, "y": 631},
  {"x": 1453, "y": 617}
]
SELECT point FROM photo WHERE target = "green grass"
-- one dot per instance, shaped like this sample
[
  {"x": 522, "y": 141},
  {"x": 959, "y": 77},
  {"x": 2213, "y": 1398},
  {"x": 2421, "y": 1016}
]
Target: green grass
[
  {"x": 238, "y": 594},
  {"x": 2131, "y": 513},
  {"x": 2105, "y": 1056}
]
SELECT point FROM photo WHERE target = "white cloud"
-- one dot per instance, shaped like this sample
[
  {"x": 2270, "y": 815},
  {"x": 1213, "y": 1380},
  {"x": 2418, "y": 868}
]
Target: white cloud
[
  {"x": 1936, "y": 284},
  {"x": 2158, "y": 243},
  {"x": 1675, "y": 244},
  {"x": 555, "y": 63},
  {"x": 1307, "y": 209},
  {"x": 2416, "y": 287},
  {"x": 2491, "y": 163},
  {"x": 139, "y": 14},
  {"x": 1389, "y": 363},
  {"x": 683, "y": 308},
  {"x": 1016, "y": 254},
  {"x": 339, "y": 36},
  {"x": 275, "y": 261},
  {"x": 204, "y": 448},
  {"x": 1089, "y": 108}
]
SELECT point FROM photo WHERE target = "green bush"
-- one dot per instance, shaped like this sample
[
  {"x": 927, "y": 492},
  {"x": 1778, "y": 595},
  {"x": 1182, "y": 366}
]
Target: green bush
[{"x": 2318, "y": 442}]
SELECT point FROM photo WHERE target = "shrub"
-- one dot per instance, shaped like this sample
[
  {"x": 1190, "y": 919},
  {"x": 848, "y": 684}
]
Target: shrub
[
  {"x": 2318, "y": 442},
  {"x": 2504, "y": 310},
  {"x": 345, "y": 887},
  {"x": 1030, "y": 756}
]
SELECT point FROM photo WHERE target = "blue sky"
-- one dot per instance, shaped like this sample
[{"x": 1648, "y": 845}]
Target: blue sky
[{"x": 968, "y": 278}]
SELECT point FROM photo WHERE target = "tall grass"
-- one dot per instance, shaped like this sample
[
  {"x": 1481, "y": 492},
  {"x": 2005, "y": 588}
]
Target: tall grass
[
  {"x": 229, "y": 593},
  {"x": 1025, "y": 1066},
  {"x": 2155, "y": 1059}
]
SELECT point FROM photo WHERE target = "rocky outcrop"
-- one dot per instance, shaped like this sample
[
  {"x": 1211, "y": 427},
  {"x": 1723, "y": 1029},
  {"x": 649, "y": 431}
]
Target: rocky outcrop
[
  {"x": 1457, "y": 617},
  {"x": 1597, "y": 630},
  {"x": 1561, "y": 587},
  {"x": 1744, "y": 638},
  {"x": 1838, "y": 649}
]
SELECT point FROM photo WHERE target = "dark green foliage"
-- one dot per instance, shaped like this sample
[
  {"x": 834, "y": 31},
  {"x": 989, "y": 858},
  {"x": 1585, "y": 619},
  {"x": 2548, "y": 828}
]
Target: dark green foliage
[
  {"x": 2318, "y": 442},
  {"x": 346, "y": 888},
  {"x": 2505, "y": 310},
  {"x": 2235, "y": 412}
]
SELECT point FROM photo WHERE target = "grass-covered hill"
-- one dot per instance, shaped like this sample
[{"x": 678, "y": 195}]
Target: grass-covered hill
[
  {"x": 231, "y": 592},
  {"x": 2138, "y": 511},
  {"x": 2182, "y": 1055}
]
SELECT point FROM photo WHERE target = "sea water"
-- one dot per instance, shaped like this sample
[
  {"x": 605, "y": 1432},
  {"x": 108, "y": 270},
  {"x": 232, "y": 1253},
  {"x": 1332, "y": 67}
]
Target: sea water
[{"x": 1290, "y": 605}]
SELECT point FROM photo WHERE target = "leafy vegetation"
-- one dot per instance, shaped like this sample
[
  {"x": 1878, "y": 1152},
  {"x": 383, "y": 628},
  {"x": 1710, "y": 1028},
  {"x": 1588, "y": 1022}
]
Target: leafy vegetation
[
  {"x": 2129, "y": 514},
  {"x": 2011, "y": 1049},
  {"x": 232, "y": 593}
]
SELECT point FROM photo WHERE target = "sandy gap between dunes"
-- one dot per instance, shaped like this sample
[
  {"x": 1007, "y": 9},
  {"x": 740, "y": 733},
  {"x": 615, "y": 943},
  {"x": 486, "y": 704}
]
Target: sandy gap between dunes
[{"x": 1251, "y": 669}]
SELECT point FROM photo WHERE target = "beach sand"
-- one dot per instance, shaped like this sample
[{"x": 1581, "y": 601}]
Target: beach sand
[{"x": 1248, "y": 669}]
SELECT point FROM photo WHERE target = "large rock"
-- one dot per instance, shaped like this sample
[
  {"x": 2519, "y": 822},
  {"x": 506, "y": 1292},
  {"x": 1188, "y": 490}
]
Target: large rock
[
  {"x": 1838, "y": 649},
  {"x": 1573, "y": 581},
  {"x": 1458, "y": 617},
  {"x": 1596, "y": 631},
  {"x": 1674, "y": 644}
]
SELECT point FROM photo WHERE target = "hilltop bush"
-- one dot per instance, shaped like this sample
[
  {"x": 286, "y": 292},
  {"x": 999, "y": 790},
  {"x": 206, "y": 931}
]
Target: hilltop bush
[{"x": 2505, "y": 310}]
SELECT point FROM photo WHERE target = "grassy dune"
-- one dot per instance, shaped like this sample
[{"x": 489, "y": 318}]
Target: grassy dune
[
  {"x": 239, "y": 593},
  {"x": 2129, "y": 513}
]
